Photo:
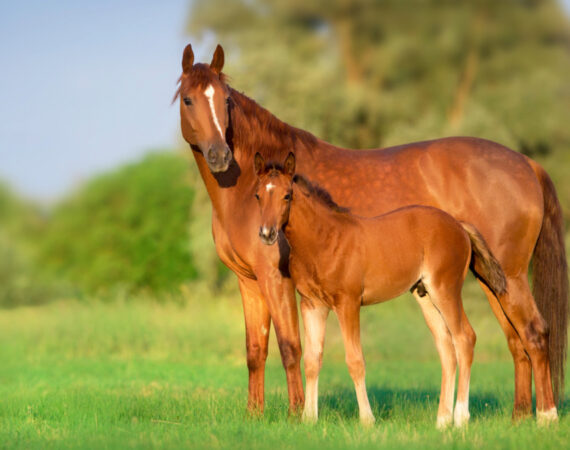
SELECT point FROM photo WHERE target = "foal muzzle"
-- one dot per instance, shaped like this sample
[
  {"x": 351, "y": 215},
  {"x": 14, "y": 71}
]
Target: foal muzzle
[{"x": 268, "y": 235}]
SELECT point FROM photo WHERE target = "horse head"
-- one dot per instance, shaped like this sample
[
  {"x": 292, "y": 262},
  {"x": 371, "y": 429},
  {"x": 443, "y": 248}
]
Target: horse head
[
  {"x": 205, "y": 108},
  {"x": 273, "y": 193}
]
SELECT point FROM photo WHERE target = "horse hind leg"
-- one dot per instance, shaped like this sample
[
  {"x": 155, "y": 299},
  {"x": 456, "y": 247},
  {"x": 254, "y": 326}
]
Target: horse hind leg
[
  {"x": 314, "y": 321},
  {"x": 349, "y": 319},
  {"x": 523, "y": 369},
  {"x": 446, "y": 350},
  {"x": 519, "y": 306}
]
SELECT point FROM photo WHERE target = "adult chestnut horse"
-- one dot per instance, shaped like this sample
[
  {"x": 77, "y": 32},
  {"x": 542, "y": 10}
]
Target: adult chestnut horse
[
  {"x": 508, "y": 197},
  {"x": 367, "y": 260}
]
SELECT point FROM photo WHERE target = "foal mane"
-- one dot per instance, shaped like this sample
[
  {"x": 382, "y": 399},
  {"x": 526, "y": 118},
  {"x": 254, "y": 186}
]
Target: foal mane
[{"x": 319, "y": 193}]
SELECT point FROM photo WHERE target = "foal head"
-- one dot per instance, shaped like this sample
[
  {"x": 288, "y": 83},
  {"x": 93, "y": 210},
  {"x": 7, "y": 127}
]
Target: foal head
[
  {"x": 273, "y": 193},
  {"x": 204, "y": 108}
]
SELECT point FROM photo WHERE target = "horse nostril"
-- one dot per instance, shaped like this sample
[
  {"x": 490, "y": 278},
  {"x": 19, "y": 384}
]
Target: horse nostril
[{"x": 212, "y": 156}]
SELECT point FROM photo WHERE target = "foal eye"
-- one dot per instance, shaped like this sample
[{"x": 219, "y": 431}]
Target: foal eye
[
  {"x": 257, "y": 196},
  {"x": 187, "y": 101},
  {"x": 287, "y": 197},
  {"x": 228, "y": 101}
]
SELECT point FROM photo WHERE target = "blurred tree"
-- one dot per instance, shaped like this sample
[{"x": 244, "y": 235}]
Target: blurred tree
[
  {"x": 126, "y": 230},
  {"x": 369, "y": 73},
  {"x": 21, "y": 281}
]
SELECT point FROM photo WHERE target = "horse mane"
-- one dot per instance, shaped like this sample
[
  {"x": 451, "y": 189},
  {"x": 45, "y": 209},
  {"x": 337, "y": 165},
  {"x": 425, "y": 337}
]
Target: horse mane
[
  {"x": 252, "y": 127},
  {"x": 319, "y": 193}
]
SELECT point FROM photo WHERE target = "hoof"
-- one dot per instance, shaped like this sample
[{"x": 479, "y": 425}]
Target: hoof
[
  {"x": 367, "y": 421},
  {"x": 308, "y": 417},
  {"x": 544, "y": 418},
  {"x": 443, "y": 422},
  {"x": 461, "y": 415}
]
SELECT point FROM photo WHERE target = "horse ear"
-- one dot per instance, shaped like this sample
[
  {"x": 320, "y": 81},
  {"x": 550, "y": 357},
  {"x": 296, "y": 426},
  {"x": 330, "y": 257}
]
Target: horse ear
[
  {"x": 217, "y": 63},
  {"x": 290, "y": 164},
  {"x": 187, "y": 59},
  {"x": 258, "y": 163}
]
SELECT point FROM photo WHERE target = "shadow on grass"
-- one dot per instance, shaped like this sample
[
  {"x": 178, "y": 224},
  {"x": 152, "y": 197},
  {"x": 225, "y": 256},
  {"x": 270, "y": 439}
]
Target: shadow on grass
[{"x": 385, "y": 402}]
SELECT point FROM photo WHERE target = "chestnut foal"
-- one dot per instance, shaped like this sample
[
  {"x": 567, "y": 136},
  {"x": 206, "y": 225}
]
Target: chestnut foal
[{"x": 340, "y": 261}]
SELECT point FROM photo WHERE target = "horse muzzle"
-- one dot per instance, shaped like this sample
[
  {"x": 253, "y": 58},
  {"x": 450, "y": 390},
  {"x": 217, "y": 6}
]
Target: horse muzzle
[
  {"x": 219, "y": 158},
  {"x": 268, "y": 235}
]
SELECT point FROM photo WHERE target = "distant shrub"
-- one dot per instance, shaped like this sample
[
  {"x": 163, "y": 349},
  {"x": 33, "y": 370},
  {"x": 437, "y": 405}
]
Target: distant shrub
[
  {"x": 21, "y": 281},
  {"x": 125, "y": 230}
]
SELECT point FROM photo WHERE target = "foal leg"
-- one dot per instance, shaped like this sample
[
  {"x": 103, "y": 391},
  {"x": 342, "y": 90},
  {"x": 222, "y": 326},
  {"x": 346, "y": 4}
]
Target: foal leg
[
  {"x": 314, "y": 320},
  {"x": 446, "y": 350},
  {"x": 349, "y": 319},
  {"x": 447, "y": 299}
]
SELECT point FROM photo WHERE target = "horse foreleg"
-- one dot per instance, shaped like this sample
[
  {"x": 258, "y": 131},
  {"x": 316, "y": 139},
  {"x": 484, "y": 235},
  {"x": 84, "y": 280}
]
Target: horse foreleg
[
  {"x": 314, "y": 321},
  {"x": 446, "y": 350},
  {"x": 348, "y": 314},
  {"x": 280, "y": 295},
  {"x": 523, "y": 369},
  {"x": 257, "y": 323}
]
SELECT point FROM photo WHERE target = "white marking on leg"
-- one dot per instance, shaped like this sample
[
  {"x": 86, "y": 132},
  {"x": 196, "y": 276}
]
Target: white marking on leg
[
  {"x": 209, "y": 93},
  {"x": 461, "y": 414},
  {"x": 547, "y": 417},
  {"x": 269, "y": 186},
  {"x": 264, "y": 330}
]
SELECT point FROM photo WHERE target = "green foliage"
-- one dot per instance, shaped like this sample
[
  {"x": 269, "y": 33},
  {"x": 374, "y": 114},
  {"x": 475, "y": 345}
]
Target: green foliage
[
  {"x": 367, "y": 73},
  {"x": 21, "y": 283},
  {"x": 125, "y": 230}
]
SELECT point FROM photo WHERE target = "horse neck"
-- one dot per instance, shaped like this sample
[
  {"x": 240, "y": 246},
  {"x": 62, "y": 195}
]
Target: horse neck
[
  {"x": 309, "y": 222},
  {"x": 255, "y": 129},
  {"x": 252, "y": 129}
]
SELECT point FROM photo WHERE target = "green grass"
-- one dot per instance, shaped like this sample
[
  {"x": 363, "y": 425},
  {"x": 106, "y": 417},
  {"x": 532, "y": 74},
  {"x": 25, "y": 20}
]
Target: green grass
[{"x": 144, "y": 375}]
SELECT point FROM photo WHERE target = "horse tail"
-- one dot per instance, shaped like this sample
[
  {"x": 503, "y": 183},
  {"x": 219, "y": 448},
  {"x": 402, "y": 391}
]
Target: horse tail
[
  {"x": 483, "y": 263},
  {"x": 550, "y": 279}
]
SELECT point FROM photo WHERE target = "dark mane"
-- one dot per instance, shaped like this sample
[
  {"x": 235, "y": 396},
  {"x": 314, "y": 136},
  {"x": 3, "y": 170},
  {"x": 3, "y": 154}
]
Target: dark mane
[
  {"x": 319, "y": 193},
  {"x": 252, "y": 126},
  {"x": 255, "y": 127}
]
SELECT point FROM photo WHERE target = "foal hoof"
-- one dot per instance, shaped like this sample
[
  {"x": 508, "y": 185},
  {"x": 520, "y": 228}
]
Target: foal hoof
[
  {"x": 461, "y": 416},
  {"x": 367, "y": 421},
  {"x": 309, "y": 418},
  {"x": 443, "y": 422},
  {"x": 545, "y": 418}
]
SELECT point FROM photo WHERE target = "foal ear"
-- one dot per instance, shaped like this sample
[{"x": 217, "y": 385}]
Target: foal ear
[
  {"x": 258, "y": 163},
  {"x": 290, "y": 164},
  {"x": 187, "y": 59},
  {"x": 217, "y": 63}
]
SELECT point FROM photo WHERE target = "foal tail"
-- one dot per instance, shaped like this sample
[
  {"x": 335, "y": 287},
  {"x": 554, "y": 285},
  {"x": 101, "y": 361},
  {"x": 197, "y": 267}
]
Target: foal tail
[
  {"x": 550, "y": 279},
  {"x": 483, "y": 264}
]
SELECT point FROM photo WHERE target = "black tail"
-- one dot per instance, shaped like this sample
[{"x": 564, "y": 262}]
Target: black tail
[
  {"x": 483, "y": 264},
  {"x": 550, "y": 280}
]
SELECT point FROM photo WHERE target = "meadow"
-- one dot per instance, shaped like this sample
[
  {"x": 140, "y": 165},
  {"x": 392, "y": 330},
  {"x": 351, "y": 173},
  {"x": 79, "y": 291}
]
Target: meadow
[{"x": 136, "y": 373}]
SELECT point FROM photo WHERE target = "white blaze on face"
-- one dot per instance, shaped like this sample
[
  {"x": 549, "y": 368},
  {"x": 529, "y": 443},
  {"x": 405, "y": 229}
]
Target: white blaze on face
[
  {"x": 269, "y": 186},
  {"x": 209, "y": 93}
]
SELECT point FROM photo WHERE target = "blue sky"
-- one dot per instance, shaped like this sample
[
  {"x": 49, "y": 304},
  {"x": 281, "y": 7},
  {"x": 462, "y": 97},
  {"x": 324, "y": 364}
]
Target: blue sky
[{"x": 86, "y": 85}]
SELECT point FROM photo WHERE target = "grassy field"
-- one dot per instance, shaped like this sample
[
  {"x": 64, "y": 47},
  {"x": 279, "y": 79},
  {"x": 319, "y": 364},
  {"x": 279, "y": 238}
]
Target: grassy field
[{"x": 140, "y": 374}]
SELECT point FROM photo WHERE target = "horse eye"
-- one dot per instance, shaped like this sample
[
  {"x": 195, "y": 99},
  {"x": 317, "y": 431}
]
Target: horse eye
[
  {"x": 187, "y": 101},
  {"x": 257, "y": 196},
  {"x": 287, "y": 197},
  {"x": 228, "y": 101}
]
